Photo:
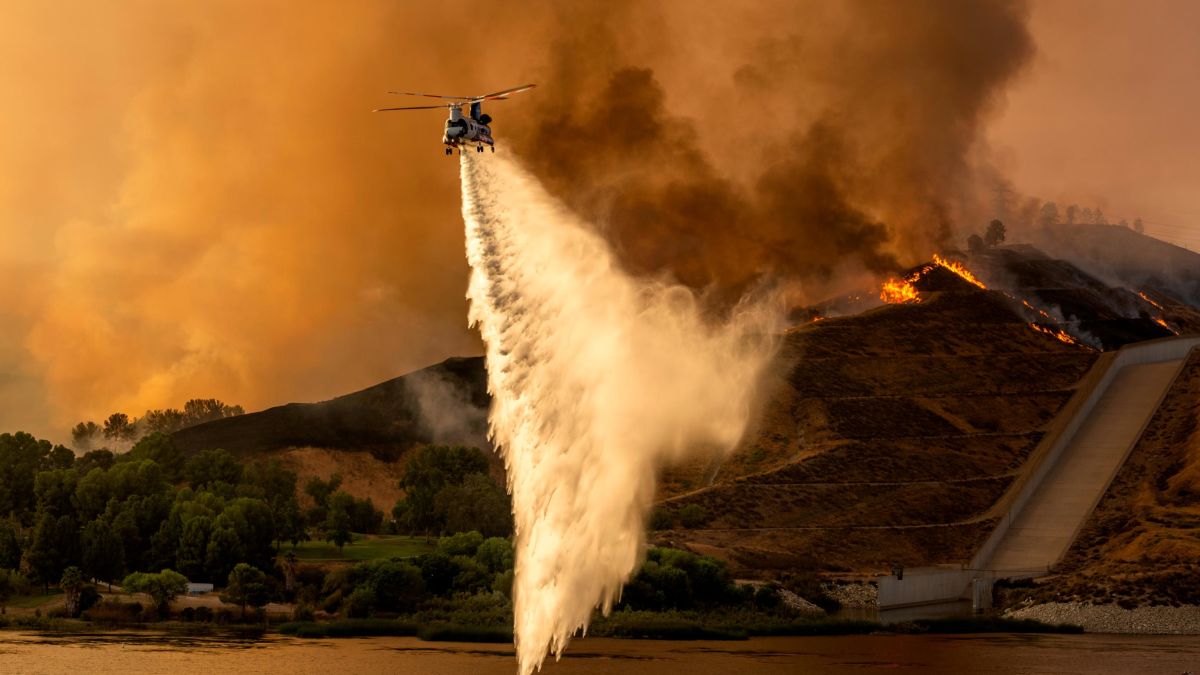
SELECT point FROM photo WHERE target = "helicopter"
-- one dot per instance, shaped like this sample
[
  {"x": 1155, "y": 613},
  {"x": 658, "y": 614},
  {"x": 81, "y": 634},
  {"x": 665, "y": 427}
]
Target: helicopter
[{"x": 462, "y": 130}]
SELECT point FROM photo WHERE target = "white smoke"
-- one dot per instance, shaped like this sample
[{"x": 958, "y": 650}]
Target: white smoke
[{"x": 597, "y": 379}]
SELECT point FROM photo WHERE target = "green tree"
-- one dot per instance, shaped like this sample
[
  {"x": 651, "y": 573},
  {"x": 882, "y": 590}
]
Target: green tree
[
  {"x": 192, "y": 553},
  {"x": 12, "y": 583},
  {"x": 103, "y": 553},
  {"x": 94, "y": 459},
  {"x": 212, "y": 466},
  {"x": 224, "y": 550},
  {"x": 52, "y": 547},
  {"x": 21, "y": 457},
  {"x": 71, "y": 584},
  {"x": 398, "y": 586},
  {"x": 462, "y": 543},
  {"x": 431, "y": 469},
  {"x": 55, "y": 491},
  {"x": 247, "y": 586},
  {"x": 478, "y": 503},
  {"x": 496, "y": 554},
  {"x": 336, "y": 528},
  {"x": 10, "y": 544},
  {"x": 163, "y": 587},
  {"x": 159, "y": 448}
]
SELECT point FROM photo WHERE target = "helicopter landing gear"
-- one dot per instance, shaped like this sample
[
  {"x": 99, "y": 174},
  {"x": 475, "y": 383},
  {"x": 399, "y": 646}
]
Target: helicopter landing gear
[
  {"x": 449, "y": 151},
  {"x": 479, "y": 149},
  {"x": 493, "y": 149}
]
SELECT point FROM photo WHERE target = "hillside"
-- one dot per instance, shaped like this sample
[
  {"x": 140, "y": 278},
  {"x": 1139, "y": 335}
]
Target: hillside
[
  {"x": 887, "y": 438},
  {"x": 884, "y": 436},
  {"x": 444, "y": 403}
]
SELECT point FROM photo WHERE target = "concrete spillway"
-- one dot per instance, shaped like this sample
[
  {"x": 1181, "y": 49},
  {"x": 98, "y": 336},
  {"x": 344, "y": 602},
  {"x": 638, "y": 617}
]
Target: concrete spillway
[
  {"x": 1063, "y": 481},
  {"x": 1045, "y": 528}
]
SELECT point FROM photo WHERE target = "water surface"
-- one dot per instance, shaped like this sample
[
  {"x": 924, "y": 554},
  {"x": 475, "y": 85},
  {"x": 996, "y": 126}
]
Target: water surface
[{"x": 127, "y": 653}]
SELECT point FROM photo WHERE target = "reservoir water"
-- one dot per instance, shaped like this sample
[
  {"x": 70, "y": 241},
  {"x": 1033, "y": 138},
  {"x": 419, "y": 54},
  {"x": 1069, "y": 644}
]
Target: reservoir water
[{"x": 128, "y": 652}]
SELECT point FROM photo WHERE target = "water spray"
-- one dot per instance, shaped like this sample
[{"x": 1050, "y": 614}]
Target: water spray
[{"x": 597, "y": 380}]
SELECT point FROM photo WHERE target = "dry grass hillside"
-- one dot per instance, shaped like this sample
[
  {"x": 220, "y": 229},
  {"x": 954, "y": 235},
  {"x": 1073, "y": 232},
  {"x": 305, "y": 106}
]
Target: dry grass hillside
[
  {"x": 1142, "y": 543},
  {"x": 885, "y": 439}
]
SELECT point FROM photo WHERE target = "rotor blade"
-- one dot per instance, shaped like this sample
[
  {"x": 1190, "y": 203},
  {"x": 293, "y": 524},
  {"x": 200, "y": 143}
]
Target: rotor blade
[
  {"x": 411, "y": 107},
  {"x": 503, "y": 94},
  {"x": 413, "y": 93}
]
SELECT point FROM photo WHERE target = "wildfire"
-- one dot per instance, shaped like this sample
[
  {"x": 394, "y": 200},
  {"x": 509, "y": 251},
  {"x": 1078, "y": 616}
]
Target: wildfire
[
  {"x": 896, "y": 291},
  {"x": 957, "y": 268},
  {"x": 1147, "y": 299},
  {"x": 1062, "y": 336},
  {"x": 1158, "y": 320}
]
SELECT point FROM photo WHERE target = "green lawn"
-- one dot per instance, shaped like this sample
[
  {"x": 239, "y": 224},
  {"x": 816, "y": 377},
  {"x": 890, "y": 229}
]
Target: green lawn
[{"x": 365, "y": 547}]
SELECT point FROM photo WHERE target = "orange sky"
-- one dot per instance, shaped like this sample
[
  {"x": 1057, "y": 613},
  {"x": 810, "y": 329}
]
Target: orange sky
[
  {"x": 1107, "y": 113},
  {"x": 195, "y": 202}
]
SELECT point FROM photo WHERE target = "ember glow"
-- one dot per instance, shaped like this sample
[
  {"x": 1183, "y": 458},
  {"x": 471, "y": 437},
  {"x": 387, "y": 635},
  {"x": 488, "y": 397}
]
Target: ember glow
[
  {"x": 1147, "y": 299},
  {"x": 1062, "y": 335}
]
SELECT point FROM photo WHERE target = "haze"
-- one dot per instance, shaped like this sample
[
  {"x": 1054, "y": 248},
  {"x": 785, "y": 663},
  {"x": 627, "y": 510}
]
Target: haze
[{"x": 196, "y": 202}]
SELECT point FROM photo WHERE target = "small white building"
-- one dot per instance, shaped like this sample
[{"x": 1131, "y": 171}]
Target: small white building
[{"x": 197, "y": 589}]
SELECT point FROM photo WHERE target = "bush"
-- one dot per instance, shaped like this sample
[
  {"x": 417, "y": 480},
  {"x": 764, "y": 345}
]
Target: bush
[
  {"x": 463, "y": 543},
  {"x": 451, "y": 632},
  {"x": 693, "y": 515},
  {"x": 349, "y": 628},
  {"x": 114, "y": 612}
]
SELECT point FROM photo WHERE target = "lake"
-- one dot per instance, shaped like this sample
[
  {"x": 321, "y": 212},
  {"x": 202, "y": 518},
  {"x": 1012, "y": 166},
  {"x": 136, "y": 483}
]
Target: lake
[{"x": 125, "y": 653}]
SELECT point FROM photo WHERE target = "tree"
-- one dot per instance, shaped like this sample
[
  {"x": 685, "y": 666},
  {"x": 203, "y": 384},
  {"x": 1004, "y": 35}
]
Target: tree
[
  {"x": 118, "y": 427},
  {"x": 12, "y": 583},
  {"x": 85, "y": 434},
  {"x": 247, "y": 586},
  {"x": 975, "y": 243},
  {"x": 995, "y": 233},
  {"x": 94, "y": 459},
  {"x": 10, "y": 545},
  {"x": 431, "y": 469},
  {"x": 191, "y": 554},
  {"x": 212, "y": 466},
  {"x": 1100, "y": 218},
  {"x": 496, "y": 554},
  {"x": 336, "y": 527},
  {"x": 201, "y": 410},
  {"x": 103, "y": 554},
  {"x": 52, "y": 547},
  {"x": 71, "y": 584},
  {"x": 1048, "y": 216},
  {"x": 1087, "y": 216},
  {"x": 160, "y": 449},
  {"x": 1138, "y": 226},
  {"x": 21, "y": 457},
  {"x": 224, "y": 550},
  {"x": 478, "y": 503},
  {"x": 162, "y": 421},
  {"x": 1072, "y": 213},
  {"x": 163, "y": 587}
]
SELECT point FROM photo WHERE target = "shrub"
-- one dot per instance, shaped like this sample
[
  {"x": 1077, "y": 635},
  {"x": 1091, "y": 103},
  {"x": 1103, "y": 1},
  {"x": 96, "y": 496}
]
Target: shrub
[
  {"x": 693, "y": 515},
  {"x": 463, "y": 543}
]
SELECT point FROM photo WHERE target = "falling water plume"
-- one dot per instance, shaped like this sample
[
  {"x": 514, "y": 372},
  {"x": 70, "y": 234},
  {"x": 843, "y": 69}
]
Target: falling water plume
[{"x": 597, "y": 379}]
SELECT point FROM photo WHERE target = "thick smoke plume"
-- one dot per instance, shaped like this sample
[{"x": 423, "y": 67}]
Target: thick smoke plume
[
  {"x": 597, "y": 379},
  {"x": 197, "y": 202}
]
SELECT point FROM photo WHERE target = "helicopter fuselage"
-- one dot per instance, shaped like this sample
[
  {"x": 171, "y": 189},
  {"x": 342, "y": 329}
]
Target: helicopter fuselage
[{"x": 461, "y": 130}]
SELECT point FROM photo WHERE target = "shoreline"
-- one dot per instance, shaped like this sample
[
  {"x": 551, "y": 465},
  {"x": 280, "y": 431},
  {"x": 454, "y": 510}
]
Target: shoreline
[{"x": 1111, "y": 618}]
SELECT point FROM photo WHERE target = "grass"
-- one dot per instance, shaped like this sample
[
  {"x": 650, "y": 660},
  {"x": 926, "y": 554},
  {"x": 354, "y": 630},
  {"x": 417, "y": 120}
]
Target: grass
[
  {"x": 34, "y": 601},
  {"x": 365, "y": 547}
]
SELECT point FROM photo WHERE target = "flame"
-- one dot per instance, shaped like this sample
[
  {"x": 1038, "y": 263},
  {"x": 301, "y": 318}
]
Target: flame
[
  {"x": 1159, "y": 320},
  {"x": 1062, "y": 335},
  {"x": 896, "y": 291},
  {"x": 957, "y": 268},
  {"x": 1147, "y": 299}
]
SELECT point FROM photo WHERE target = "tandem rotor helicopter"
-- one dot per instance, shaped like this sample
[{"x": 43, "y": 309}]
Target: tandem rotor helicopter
[{"x": 461, "y": 130}]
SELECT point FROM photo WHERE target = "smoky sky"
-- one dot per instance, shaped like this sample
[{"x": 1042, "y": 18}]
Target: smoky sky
[{"x": 197, "y": 202}]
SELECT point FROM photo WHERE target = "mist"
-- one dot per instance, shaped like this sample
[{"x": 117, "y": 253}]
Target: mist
[{"x": 597, "y": 380}]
